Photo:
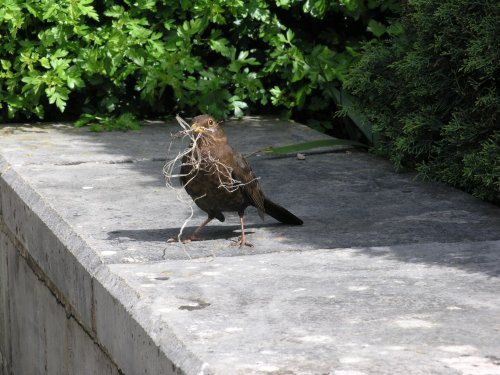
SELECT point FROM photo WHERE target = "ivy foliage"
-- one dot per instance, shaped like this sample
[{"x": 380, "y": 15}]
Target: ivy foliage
[
  {"x": 63, "y": 58},
  {"x": 432, "y": 93}
]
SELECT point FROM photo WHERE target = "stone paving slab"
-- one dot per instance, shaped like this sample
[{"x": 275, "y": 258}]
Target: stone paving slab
[
  {"x": 391, "y": 310},
  {"x": 387, "y": 275},
  {"x": 346, "y": 198}
]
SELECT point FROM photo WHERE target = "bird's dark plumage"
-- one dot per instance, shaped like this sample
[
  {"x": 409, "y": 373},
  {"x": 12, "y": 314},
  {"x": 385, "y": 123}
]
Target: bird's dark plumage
[{"x": 220, "y": 180}]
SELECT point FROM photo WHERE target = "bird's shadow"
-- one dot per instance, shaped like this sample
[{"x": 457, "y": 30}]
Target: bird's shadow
[{"x": 212, "y": 232}]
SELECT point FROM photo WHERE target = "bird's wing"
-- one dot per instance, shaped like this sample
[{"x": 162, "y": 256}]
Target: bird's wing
[{"x": 249, "y": 183}]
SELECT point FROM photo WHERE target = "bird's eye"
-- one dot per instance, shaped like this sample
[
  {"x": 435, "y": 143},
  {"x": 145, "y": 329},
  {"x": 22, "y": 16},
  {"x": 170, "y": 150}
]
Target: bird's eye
[{"x": 210, "y": 122}]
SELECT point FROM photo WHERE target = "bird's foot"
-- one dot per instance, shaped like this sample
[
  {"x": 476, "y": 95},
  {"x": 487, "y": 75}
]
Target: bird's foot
[
  {"x": 241, "y": 241},
  {"x": 186, "y": 239}
]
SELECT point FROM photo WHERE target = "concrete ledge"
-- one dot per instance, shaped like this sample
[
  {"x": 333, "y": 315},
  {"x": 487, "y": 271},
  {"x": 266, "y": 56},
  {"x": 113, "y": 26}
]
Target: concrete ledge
[
  {"x": 48, "y": 243},
  {"x": 55, "y": 315},
  {"x": 388, "y": 274},
  {"x": 331, "y": 311},
  {"x": 37, "y": 335}
]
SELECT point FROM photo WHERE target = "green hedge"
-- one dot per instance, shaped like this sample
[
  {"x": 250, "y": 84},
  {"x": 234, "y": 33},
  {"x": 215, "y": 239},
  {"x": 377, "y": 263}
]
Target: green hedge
[
  {"x": 432, "y": 93},
  {"x": 153, "y": 58}
]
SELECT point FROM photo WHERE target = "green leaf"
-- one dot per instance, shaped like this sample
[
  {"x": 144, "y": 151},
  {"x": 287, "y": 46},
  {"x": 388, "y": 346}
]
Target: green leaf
[
  {"x": 45, "y": 62},
  {"x": 88, "y": 10},
  {"x": 58, "y": 54},
  {"x": 316, "y": 8},
  {"x": 124, "y": 122},
  {"x": 238, "y": 106},
  {"x": 50, "y": 11},
  {"x": 376, "y": 28},
  {"x": 74, "y": 82},
  {"x": 221, "y": 46},
  {"x": 395, "y": 29},
  {"x": 346, "y": 101},
  {"x": 298, "y": 147},
  {"x": 6, "y": 64},
  {"x": 283, "y": 3},
  {"x": 57, "y": 95},
  {"x": 85, "y": 119},
  {"x": 116, "y": 11}
]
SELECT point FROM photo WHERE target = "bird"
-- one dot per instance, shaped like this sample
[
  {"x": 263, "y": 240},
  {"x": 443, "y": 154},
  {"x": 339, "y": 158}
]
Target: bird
[{"x": 219, "y": 179}]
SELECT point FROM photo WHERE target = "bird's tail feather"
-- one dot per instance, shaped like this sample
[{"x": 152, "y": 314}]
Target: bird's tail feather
[{"x": 281, "y": 213}]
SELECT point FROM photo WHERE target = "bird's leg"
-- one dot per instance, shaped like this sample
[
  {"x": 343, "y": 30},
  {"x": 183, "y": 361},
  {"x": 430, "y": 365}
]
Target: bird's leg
[
  {"x": 194, "y": 235},
  {"x": 242, "y": 240}
]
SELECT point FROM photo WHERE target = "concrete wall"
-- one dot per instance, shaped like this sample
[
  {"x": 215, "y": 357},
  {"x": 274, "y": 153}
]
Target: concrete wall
[
  {"x": 37, "y": 334},
  {"x": 406, "y": 283},
  {"x": 61, "y": 310},
  {"x": 40, "y": 331}
]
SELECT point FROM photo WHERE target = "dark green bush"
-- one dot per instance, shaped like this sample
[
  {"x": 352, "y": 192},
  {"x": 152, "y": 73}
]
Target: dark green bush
[
  {"x": 153, "y": 58},
  {"x": 432, "y": 93}
]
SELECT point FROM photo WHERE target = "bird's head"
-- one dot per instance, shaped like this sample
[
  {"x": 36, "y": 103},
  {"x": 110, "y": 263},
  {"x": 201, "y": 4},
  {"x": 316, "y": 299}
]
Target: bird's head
[
  {"x": 204, "y": 124},
  {"x": 206, "y": 129}
]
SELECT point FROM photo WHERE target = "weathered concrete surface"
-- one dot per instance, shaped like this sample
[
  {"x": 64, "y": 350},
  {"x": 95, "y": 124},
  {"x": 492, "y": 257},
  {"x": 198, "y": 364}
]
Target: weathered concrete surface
[
  {"x": 331, "y": 311},
  {"x": 387, "y": 275},
  {"x": 37, "y": 334}
]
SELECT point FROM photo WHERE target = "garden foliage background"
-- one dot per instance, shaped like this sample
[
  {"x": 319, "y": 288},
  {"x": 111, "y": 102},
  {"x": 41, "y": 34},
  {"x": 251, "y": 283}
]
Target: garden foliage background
[
  {"x": 153, "y": 58},
  {"x": 432, "y": 96},
  {"x": 425, "y": 81}
]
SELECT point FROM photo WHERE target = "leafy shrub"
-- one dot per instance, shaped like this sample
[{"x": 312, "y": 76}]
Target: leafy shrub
[
  {"x": 432, "y": 93},
  {"x": 154, "y": 58}
]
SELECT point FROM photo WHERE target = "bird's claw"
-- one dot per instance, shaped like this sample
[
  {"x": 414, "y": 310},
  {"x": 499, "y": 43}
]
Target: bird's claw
[
  {"x": 241, "y": 242},
  {"x": 184, "y": 239}
]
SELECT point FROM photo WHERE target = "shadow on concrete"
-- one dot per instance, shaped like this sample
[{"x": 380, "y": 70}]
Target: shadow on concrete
[
  {"x": 209, "y": 233},
  {"x": 346, "y": 199}
]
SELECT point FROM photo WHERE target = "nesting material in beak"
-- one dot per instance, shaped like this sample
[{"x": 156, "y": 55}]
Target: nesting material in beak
[{"x": 197, "y": 128}]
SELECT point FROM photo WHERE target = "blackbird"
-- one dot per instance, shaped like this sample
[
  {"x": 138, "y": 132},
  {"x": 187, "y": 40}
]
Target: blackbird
[{"x": 219, "y": 179}]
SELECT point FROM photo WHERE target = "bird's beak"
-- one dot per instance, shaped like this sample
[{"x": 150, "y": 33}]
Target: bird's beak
[{"x": 196, "y": 128}]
